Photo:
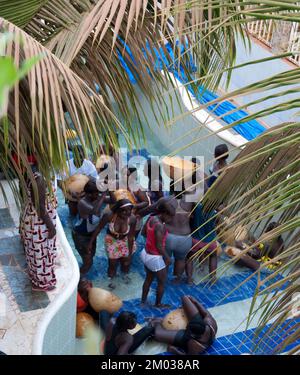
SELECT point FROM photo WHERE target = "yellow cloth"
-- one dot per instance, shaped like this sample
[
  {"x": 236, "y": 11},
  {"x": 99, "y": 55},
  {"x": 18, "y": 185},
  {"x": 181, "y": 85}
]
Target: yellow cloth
[{"x": 272, "y": 266}]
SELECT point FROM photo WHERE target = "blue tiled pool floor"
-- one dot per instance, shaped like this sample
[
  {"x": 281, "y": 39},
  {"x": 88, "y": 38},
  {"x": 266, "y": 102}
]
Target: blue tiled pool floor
[{"x": 222, "y": 297}]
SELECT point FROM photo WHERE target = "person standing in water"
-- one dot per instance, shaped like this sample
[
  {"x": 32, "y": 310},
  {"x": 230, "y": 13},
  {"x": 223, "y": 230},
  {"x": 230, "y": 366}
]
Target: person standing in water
[
  {"x": 203, "y": 225},
  {"x": 221, "y": 156},
  {"x": 119, "y": 240},
  {"x": 90, "y": 211},
  {"x": 140, "y": 196},
  {"x": 77, "y": 165},
  {"x": 155, "y": 183},
  {"x": 179, "y": 240},
  {"x": 154, "y": 256}
]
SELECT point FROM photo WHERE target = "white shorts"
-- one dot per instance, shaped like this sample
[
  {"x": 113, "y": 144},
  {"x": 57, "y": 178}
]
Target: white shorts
[{"x": 154, "y": 263}]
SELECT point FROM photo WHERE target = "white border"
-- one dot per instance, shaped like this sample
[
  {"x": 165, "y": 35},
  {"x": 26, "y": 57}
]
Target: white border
[
  {"x": 53, "y": 308},
  {"x": 204, "y": 117}
]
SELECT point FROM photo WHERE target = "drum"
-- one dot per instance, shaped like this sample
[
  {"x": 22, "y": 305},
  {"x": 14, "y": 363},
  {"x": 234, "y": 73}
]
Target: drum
[
  {"x": 75, "y": 184},
  {"x": 102, "y": 160},
  {"x": 83, "y": 321},
  {"x": 175, "y": 320},
  {"x": 176, "y": 167},
  {"x": 124, "y": 194},
  {"x": 101, "y": 299}
]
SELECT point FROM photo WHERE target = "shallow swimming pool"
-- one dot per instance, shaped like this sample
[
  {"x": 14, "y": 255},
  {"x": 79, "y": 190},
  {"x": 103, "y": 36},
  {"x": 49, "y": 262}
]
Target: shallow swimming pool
[{"x": 228, "y": 304}]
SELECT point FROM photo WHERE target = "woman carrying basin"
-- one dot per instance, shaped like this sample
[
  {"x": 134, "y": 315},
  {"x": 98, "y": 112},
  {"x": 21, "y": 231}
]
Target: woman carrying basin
[{"x": 119, "y": 240}]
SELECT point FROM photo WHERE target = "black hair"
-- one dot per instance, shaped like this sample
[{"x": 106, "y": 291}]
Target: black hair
[
  {"x": 125, "y": 320},
  {"x": 196, "y": 160},
  {"x": 221, "y": 151},
  {"x": 90, "y": 187},
  {"x": 197, "y": 327},
  {"x": 165, "y": 207},
  {"x": 120, "y": 203}
]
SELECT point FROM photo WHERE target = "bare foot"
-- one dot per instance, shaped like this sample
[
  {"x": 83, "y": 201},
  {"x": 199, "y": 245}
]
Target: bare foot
[{"x": 190, "y": 281}]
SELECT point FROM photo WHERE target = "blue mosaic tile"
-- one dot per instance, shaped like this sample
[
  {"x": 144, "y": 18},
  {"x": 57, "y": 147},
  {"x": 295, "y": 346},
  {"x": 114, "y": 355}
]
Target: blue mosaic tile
[
  {"x": 218, "y": 345},
  {"x": 6, "y": 220},
  {"x": 235, "y": 341},
  {"x": 221, "y": 293},
  {"x": 234, "y": 351}
]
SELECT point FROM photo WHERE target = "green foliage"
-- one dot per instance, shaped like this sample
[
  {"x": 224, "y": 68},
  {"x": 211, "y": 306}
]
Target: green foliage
[{"x": 10, "y": 74}]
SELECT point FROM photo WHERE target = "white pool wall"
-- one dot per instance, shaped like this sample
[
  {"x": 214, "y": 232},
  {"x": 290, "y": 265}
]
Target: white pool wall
[{"x": 56, "y": 332}]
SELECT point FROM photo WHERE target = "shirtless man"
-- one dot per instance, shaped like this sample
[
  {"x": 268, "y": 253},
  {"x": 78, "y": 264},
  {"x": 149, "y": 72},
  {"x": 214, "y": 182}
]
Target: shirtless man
[{"x": 179, "y": 240}]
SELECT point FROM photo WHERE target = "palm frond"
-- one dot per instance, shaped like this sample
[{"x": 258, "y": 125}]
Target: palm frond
[
  {"x": 260, "y": 186},
  {"x": 39, "y": 103}
]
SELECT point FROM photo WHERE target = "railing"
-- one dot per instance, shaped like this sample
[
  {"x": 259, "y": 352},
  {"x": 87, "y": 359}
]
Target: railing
[{"x": 280, "y": 36}]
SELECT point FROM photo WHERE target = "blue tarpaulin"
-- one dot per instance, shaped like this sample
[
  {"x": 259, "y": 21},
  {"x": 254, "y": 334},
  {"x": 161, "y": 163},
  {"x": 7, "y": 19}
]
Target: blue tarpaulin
[{"x": 249, "y": 130}]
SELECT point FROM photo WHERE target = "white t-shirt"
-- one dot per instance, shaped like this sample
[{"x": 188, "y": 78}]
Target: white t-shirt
[{"x": 87, "y": 168}]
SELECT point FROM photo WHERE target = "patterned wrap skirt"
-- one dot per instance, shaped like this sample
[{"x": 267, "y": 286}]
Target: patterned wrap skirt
[
  {"x": 40, "y": 251},
  {"x": 117, "y": 248}
]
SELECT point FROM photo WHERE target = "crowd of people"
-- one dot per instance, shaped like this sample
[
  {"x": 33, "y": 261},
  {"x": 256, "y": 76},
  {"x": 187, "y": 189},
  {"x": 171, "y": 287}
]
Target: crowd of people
[{"x": 174, "y": 228}]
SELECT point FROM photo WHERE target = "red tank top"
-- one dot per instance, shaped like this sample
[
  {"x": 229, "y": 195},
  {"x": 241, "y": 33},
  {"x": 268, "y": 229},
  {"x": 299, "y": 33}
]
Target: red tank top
[{"x": 151, "y": 240}]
